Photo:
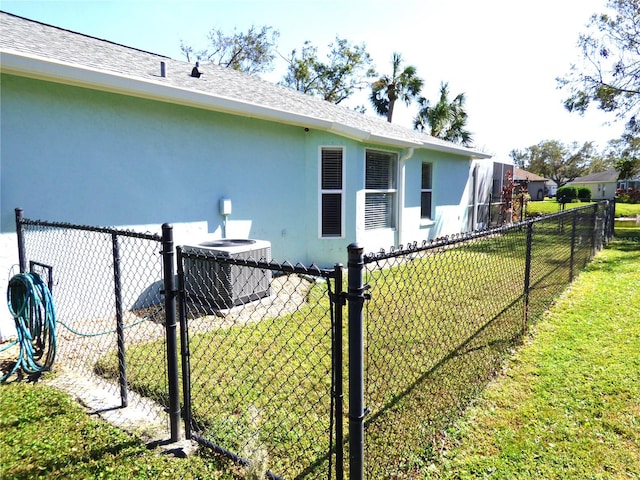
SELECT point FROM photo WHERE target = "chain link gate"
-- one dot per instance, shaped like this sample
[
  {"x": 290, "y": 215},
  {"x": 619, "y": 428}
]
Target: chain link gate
[
  {"x": 106, "y": 286},
  {"x": 262, "y": 362}
]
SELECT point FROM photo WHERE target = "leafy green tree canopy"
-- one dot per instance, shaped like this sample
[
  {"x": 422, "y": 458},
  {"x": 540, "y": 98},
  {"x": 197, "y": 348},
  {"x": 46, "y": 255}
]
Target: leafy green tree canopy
[
  {"x": 446, "y": 119},
  {"x": 627, "y": 168},
  {"x": 403, "y": 84},
  {"x": 554, "y": 160},
  {"x": 346, "y": 69},
  {"x": 609, "y": 76},
  {"x": 250, "y": 52}
]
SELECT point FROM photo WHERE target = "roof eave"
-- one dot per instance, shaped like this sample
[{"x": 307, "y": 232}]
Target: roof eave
[
  {"x": 70, "y": 74},
  {"x": 33, "y": 66}
]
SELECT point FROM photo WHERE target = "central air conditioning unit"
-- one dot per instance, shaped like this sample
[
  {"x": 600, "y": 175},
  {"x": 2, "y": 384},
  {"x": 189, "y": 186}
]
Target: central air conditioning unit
[{"x": 214, "y": 284}]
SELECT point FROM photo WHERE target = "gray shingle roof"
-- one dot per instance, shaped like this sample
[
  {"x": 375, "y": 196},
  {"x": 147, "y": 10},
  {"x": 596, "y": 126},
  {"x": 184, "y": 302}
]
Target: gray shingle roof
[
  {"x": 237, "y": 93},
  {"x": 520, "y": 174},
  {"x": 600, "y": 177}
]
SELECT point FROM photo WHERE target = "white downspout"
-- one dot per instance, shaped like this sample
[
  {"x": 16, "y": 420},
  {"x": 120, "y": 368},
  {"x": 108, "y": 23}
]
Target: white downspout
[{"x": 401, "y": 190}]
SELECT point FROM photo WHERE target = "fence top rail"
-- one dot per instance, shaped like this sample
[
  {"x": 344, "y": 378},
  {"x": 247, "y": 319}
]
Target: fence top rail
[
  {"x": 285, "y": 267},
  {"x": 87, "y": 228},
  {"x": 451, "y": 240}
]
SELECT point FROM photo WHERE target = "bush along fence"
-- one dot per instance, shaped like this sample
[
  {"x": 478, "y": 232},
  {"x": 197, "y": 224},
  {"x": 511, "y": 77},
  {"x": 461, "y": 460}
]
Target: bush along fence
[{"x": 247, "y": 357}]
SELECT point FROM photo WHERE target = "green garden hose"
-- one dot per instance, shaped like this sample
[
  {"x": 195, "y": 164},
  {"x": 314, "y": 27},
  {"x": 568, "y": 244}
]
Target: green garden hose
[{"x": 31, "y": 305}]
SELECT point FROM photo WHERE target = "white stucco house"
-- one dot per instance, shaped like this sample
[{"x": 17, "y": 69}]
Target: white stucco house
[
  {"x": 102, "y": 134},
  {"x": 98, "y": 133},
  {"x": 602, "y": 184}
]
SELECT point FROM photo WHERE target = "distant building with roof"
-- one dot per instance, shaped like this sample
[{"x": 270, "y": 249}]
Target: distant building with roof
[
  {"x": 535, "y": 183},
  {"x": 602, "y": 184}
]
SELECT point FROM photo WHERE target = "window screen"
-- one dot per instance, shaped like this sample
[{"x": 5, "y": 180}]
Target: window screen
[{"x": 381, "y": 190}]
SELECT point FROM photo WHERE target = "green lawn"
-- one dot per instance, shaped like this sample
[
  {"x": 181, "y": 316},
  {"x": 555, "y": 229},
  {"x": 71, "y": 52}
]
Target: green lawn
[
  {"x": 627, "y": 209},
  {"x": 429, "y": 356},
  {"x": 45, "y": 434},
  {"x": 550, "y": 205},
  {"x": 567, "y": 404}
]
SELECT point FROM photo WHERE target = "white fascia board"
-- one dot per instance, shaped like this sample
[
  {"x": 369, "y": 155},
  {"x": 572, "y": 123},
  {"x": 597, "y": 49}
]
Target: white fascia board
[{"x": 458, "y": 150}]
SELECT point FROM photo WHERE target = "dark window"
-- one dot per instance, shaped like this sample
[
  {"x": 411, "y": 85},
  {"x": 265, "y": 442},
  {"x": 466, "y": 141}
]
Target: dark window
[
  {"x": 331, "y": 193},
  {"x": 426, "y": 191}
]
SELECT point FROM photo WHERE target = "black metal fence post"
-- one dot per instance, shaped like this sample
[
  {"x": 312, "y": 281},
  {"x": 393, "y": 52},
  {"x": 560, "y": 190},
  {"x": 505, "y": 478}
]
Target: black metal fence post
[
  {"x": 117, "y": 287},
  {"x": 611, "y": 214},
  {"x": 596, "y": 230},
  {"x": 337, "y": 372},
  {"x": 573, "y": 245},
  {"x": 22, "y": 255},
  {"x": 356, "y": 298},
  {"x": 170, "y": 328},
  {"x": 184, "y": 348},
  {"x": 527, "y": 277}
]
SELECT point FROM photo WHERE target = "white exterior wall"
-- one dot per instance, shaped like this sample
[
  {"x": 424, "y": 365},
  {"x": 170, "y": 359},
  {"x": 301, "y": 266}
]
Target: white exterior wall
[
  {"x": 86, "y": 157},
  {"x": 599, "y": 190},
  {"x": 8, "y": 267}
]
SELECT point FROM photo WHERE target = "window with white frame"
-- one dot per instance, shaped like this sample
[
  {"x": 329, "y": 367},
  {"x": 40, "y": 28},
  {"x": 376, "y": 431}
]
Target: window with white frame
[
  {"x": 331, "y": 192},
  {"x": 426, "y": 191},
  {"x": 380, "y": 190}
]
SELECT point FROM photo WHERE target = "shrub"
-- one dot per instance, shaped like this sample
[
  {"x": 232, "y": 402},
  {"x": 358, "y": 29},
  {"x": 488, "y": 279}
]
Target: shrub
[
  {"x": 584, "y": 194},
  {"x": 630, "y": 195},
  {"x": 566, "y": 194}
]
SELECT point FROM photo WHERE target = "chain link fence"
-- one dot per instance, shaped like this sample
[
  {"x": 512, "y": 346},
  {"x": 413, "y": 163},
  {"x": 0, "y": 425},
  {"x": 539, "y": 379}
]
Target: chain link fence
[
  {"x": 264, "y": 351},
  {"x": 442, "y": 316},
  {"x": 263, "y": 361},
  {"x": 106, "y": 287}
]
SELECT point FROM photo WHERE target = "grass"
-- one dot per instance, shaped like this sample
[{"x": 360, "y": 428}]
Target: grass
[
  {"x": 628, "y": 210},
  {"x": 469, "y": 315},
  {"x": 567, "y": 404},
  {"x": 550, "y": 205},
  {"x": 266, "y": 383},
  {"x": 45, "y": 434},
  {"x": 398, "y": 443}
]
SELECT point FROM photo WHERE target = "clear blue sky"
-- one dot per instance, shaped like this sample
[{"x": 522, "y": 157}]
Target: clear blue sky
[{"x": 503, "y": 54}]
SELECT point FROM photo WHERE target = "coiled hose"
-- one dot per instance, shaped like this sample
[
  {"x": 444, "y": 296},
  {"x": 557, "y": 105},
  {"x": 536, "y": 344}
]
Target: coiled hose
[{"x": 31, "y": 305}]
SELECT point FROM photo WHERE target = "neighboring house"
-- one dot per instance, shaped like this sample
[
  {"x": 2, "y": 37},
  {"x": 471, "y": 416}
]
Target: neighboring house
[
  {"x": 98, "y": 133},
  {"x": 535, "y": 186},
  {"x": 602, "y": 185},
  {"x": 629, "y": 183}
]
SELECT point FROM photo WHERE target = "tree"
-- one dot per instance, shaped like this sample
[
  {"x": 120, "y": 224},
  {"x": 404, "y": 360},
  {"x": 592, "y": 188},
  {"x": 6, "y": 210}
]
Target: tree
[
  {"x": 446, "y": 119},
  {"x": 624, "y": 155},
  {"x": 345, "y": 71},
  {"x": 556, "y": 161},
  {"x": 610, "y": 73},
  {"x": 403, "y": 84},
  {"x": 519, "y": 157},
  {"x": 627, "y": 168},
  {"x": 251, "y": 52}
]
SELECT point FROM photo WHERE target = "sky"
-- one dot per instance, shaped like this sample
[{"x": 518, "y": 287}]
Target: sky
[{"x": 504, "y": 55}]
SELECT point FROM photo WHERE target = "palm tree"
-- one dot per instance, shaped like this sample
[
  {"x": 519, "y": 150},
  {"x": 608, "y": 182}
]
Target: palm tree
[
  {"x": 445, "y": 120},
  {"x": 403, "y": 84}
]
